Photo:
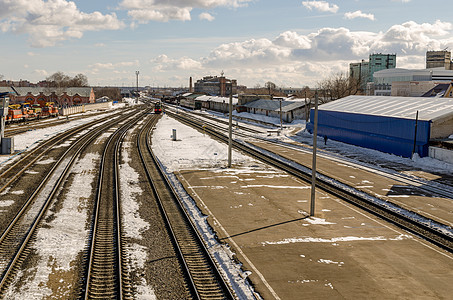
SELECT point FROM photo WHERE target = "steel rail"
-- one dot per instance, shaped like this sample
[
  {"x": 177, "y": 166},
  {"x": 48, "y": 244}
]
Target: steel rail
[
  {"x": 43, "y": 149},
  {"x": 80, "y": 146},
  {"x": 219, "y": 289},
  {"x": 103, "y": 281}
]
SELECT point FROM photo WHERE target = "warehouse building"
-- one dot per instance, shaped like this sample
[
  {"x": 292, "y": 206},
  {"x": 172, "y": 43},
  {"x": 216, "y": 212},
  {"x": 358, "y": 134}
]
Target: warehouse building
[{"x": 386, "y": 123}]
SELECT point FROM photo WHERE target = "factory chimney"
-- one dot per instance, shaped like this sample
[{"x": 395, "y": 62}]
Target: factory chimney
[{"x": 190, "y": 85}]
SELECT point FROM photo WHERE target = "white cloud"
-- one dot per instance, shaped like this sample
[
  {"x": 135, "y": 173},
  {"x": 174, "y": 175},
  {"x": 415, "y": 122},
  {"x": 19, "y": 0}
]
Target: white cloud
[
  {"x": 41, "y": 73},
  {"x": 321, "y": 6},
  {"x": 164, "y": 10},
  {"x": 52, "y": 21},
  {"x": 295, "y": 59},
  {"x": 206, "y": 16},
  {"x": 112, "y": 66},
  {"x": 358, "y": 14},
  {"x": 163, "y": 62}
]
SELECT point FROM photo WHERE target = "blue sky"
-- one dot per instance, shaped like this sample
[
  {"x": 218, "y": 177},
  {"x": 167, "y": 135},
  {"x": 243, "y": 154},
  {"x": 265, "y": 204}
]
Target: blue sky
[{"x": 291, "y": 43}]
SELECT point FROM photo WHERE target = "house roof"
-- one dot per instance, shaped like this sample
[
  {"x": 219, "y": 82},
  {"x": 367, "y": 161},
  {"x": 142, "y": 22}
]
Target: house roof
[
  {"x": 217, "y": 99},
  {"x": 71, "y": 91},
  {"x": 274, "y": 105},
  {"x": 429, "y": 108},
  {"x": 437, "y": 91}
]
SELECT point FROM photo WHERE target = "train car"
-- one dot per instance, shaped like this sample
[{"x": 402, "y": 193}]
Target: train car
[
  {"x": 53, "y": 111},
  {"x": 27, "y": 111},
  {"x": 190, "y": 103},
  {"x": 37, "y": 110},
  {"x": 14, "y": 115},
  {"x": 157, "y": 108}
]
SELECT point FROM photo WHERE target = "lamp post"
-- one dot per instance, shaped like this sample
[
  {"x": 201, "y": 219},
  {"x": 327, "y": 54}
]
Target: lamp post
[
  {"x": 136, "y": 74},
  {"x": 313, "y": 166},
  {"x": 230, "y": 130}
]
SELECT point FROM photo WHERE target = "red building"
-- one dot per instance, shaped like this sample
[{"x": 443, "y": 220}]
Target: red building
[{"x": 41, "y": 95}]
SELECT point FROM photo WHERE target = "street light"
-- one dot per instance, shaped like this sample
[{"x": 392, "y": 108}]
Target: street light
[{"x": 136, "y": 73}]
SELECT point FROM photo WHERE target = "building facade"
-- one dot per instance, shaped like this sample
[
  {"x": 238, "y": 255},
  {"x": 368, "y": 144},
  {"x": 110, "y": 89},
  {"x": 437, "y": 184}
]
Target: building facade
[
  {"x": 360, "y": 72},
  {"x": 61, "y": 97},
  {"x": 380, "y": 62},
  {"x": 216, "y": 86},
  {"x": 439, "y": 59},
  {"x": 363, "y": 71},
  {"x": 405, "y": 82}
]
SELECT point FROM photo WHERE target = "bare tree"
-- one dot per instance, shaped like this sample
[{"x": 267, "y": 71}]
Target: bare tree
[
  {"x": 79, "y": 80},
  {"x": 111, "y": 92},
  {"x": 337, "y": 86},
  {"x": 60, "y": 80}
]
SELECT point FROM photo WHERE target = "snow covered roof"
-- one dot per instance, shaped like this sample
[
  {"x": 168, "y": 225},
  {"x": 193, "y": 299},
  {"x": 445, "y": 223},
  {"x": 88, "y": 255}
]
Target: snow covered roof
[
  {"x": 217, "y": 99},
  {"x": 428, "y": 108},
  {"x": 71, "y": 91},
  {"x": 274, "y": 105}
]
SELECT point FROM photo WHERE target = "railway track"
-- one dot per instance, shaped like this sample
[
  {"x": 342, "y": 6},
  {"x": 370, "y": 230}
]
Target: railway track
[
  {"x": 203, "y": 278},
  {"x": 14, "y": 241},
  {"x": 430, "y": 230},
  {"x": 106, "y": 276},
  {"x": 15, "y": 170}
]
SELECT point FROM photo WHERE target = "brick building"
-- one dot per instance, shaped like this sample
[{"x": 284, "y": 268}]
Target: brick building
[
  {"x": 216, "y": 86},
  {"x": 60, "y": 96}
]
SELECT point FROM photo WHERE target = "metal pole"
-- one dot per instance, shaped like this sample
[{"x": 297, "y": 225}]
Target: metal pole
[
  {"x": 313, "y": 167},
  {"x": 230, "y": 130},
  {"x": 281, "y": 123},
  {"x": 136, "y": 73},
  {"x": 415, "y": 135}
]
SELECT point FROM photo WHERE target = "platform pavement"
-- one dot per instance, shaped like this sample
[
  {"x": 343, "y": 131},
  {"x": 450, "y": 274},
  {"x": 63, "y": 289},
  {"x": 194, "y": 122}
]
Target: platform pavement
[
  {"x": 341, "y": 253},
  {"x": 389, "y": 189}
]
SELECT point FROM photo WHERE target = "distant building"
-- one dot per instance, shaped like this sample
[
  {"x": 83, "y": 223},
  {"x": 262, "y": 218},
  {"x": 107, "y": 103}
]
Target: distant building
[
  {"x": 60, "y": 96},
  {"x": 406, "y": 82},
  {"x": 439, "y": 59},
  {"x": 216, "y": 86},
  {"x": 363, "y": 71},
  {"x": 359, "y": 71},
  {"x": 380, "y": 62}
]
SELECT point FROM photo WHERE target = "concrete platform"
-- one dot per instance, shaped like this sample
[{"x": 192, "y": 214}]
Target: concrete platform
[
  {"x": 380, "y": 186},
  {"x": 340, "y": 253}
]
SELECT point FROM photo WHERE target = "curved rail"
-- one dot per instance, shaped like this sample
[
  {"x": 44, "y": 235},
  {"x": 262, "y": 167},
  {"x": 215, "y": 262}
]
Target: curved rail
[
  {"x": 15, "y": 239},
  {"x": 14, "y": 171},
  {"x": 104, "y": 274}
]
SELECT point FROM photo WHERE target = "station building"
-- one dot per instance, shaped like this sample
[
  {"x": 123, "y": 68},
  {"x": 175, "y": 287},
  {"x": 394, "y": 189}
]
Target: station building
[{"x": 386, "y": 123}]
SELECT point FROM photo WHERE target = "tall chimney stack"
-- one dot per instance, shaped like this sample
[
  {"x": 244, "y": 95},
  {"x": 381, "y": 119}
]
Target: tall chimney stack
[{"x": 190, "y": 85}]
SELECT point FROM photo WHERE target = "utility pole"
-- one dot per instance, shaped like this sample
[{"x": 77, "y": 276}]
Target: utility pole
[
  {"x": 281, "y": 123},
  {"x": 313, "y": 166},
  {"x": 415, "y": 135},
  {"x": 136, "y": 74},
  {"x": 230, "y": 130}
]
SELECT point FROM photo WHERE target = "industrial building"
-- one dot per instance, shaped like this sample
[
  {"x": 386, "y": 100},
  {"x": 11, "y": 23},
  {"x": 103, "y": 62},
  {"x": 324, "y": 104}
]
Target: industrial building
[
  {"x": 439, "y": 59},
  {"x": 60, "y": 96},
  {"x": 289, "y": 110},
  {"x": 216, "y": 86},
  {"x": 405, "y": 82},
  {"x": 387, "y": 124}
]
